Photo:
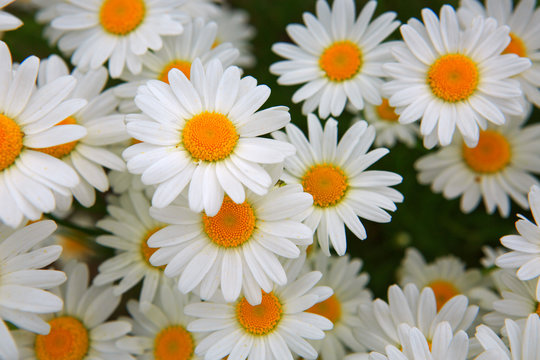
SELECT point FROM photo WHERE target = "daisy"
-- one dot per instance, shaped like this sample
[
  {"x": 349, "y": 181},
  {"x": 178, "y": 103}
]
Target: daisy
[
  {"x": 104, "y": 126},
  {"x": 116, "y": 30},
  {"x": 272, "y": 330},
  {"x": 160, "y": 332},
  {"x": 445, "y": 345},
  {"x": 204, "y": 132},
  {"x": 80, "y": 331},
  {"x": 449, "y": 77},
  {"x": 498, "y": 168},
  {"x": 8, "y": 21},
  {"x": 338, "y": 58},
  {"x": 334, "y": 175},
  {"x": 525, "y": 249},
  {"x": 524, "y": 31},
  {"x": 23, "y": 284},
  {"x": 130, "y": 224},
  {"x": 380, "y": 320},
  {"x": 490, "y": 255},
  {"x": 238, "y": 248},
  {"x": 27, "y": 116}
]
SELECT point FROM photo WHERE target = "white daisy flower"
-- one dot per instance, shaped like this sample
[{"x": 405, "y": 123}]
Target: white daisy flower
[
  {"x": 490, "y": 255},
  {"x": 337, "y": 57},
  {"x": 272, "y": 330},
  {"x": 525, "y": 248},
  {"x": 119, "y": 31},
  {"x": 380, "y": 321},
  {"x": 205, "y": 132},
  {"x": 104, "y": 127},
  {"x": 498, "y": 168},
  {"x": 178, "y": 52},
  {"x": 160, "y": 331},
  {"x": 524, "y": 32},
  {"x": 8, "y": 21},
  {"x": 524, "y": 341},
  {"x": 334, "y": 175},
  {"x": 445, "y": 345},
  {"x": 130, "y": 224},
  {"x": 238, "y": 248},
  {"x": 449, "y": 77},
  {"x": 27, "y": 118},
  {"x": 80, "y": 330},
  {"x": 23, "y": 284}
]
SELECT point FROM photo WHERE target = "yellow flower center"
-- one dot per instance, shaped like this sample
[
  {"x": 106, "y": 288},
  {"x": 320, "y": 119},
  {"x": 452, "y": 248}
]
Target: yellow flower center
[
  {"x": 516, "y": 46},
  {"x": 209, "y": 136},
  {"x": 329, "y": 308},
  {"x": 387, "y": 112},
  {"x": 492, "y": 153},
  {"x": 11, "y": 141},
  {"x": 453, "y": 77},
  {"x": 59, "y": 151},
  {"x": 341, "y": 61},
  {"x": 326, "y": 183},
  {"x": 538, "y": 308},
  {"x": 147, "y": 251},
  {"x": 444, "y": 291},
  {"x": 183, "y": 66},
  {"x": 68, "y": 340},
  {"x": 173, "y": 343},
  {"x": 120, "y": 17},
  {"x": 260, "y": 319},
  {"x": 232, "y": 225}
]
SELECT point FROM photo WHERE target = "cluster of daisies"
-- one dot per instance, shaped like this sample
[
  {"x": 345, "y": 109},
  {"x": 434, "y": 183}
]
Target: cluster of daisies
[{"x": 226, "y": 226}]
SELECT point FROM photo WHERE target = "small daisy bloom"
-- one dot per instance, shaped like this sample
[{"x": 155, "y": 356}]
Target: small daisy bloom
[
  {"x": 238, "y": 248},
  {"x": 449, "y": 77},
  {"x": 205, "y": 132},
  {"x": 524, "y": 248},
  {"x": 23, "y": 284},
  {"x": 338, "y": 58},
  {"x": 8, "y": 21},
  {"x": 524, "y": 32},
  {"x": 80, "y": 331},
  {"x": 119, "y": 31},
  {"x": 524, "y": 341},
  {"x": 28, "y": 177},
  {"x": 496, "y": 170},
  {"x": 272, "y": 330},
  {"x": 380, "y": 320},
  {"x": 334, "y": 175},
  {"x": 490, "y": 255}
]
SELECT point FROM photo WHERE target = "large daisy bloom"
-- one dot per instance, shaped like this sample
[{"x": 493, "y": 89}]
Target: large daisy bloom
[
  {"x": 238, "y": 248},
  {"x": 23, "y": 285},
  {"x": 338, "y": 58},
  {"x": 8, "y": 21},
  {"x": 119, "y": 31},
  {"x": 80, "y": 331},
  {"x": 524, "y": 341},
  {"x": 449, "y": 77},
  {"x": 28, "y": 177},
  {"x": 524, "y": 32},
  {"x": 525, "y": 247},
  {"x": 496, "y": 170},
  {"x": 272, "y": 330},
  {"x": 334, "y": 174},
  {"x": 203, "y": 131}
]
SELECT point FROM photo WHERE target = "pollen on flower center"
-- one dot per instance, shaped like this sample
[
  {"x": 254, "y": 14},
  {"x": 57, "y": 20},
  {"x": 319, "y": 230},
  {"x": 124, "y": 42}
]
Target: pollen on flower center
[
  {"x": 120, "y": 17},
  {"x": 444, "y": 291},
  {"x": 68, "y": 340},
  {"x": 453, "y": 77},
  {"x": 183, "y": 66},
  {"x": 492, "y": 153},
  {"x": 209, "y": 136},
  {"x": 329, "y": 308},
  {"x": 232, "y": 225},
  {"x": 387, "y": 112},
  {"x": 260, "y": 319},
  {"x": 147, "y": 251},
  {"x": 173, "y": 343},
  {"x": 516, "y": 46},
  {"x": 326, "y": 183},
  {"x": 341, "y": 61},
  {"x": 11, "y": 141},
  {"x": 59, "y": 151}
]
